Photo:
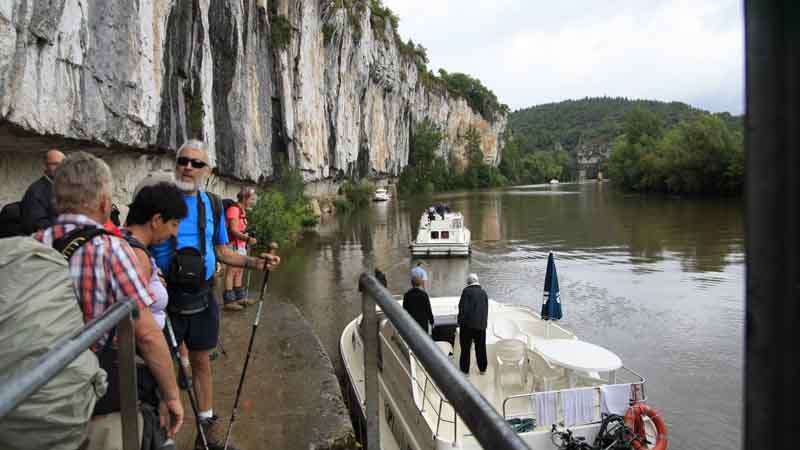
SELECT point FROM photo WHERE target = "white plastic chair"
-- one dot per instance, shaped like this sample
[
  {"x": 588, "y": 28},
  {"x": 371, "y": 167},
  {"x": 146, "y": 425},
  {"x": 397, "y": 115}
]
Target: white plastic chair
[
  {"x": 510, "y": 352},
  {"x": 508, "y": 329},
  {"x": 546, "y": 377}
]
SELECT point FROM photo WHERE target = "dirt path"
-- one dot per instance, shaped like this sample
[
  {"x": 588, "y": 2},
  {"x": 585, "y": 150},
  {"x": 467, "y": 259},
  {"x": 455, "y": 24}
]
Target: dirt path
[{"x": 291, "y": 397}]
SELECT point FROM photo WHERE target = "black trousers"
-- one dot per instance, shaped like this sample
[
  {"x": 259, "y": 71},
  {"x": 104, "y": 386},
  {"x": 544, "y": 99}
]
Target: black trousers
[{"x": 466, "y": 337}]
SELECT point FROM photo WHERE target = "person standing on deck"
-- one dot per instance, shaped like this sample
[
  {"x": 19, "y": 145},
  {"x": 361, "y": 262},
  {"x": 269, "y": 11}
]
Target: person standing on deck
[
  {"x": 473, "y": 315},
  {"x": 201, "y": 240},
  {"x": 38, "y": 210},
  {"x": 419, "y": 271},
  {"x": 418, "y": 304}
]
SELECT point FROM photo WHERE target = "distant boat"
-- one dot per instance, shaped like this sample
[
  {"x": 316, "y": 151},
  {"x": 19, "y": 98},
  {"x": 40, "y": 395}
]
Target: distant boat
[
  {"x": 553, "y": 181},
  {"x": 441, "y": 235},
  {"x": 381, "y": 195}
]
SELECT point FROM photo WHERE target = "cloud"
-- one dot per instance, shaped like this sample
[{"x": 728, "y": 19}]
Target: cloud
[{"x": 533, "y": 52}]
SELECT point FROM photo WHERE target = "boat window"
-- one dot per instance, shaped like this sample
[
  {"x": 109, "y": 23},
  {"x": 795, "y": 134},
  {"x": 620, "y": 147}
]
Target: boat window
[
  {"x": 445, "y": 235},
  {"x": 434, "y": 235}
]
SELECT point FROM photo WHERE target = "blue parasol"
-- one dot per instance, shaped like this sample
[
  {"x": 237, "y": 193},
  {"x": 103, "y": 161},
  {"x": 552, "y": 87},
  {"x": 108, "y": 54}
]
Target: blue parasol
[{"x": 551, "y": 304}]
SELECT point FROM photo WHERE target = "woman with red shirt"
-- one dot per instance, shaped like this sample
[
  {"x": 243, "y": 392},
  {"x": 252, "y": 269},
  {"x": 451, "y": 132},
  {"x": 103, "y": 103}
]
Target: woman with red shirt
[{"x": 236, "y": 216}]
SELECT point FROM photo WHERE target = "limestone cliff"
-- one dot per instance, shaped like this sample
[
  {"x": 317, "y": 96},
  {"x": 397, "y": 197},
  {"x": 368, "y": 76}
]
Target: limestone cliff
[{"x": 254, "y": 79}]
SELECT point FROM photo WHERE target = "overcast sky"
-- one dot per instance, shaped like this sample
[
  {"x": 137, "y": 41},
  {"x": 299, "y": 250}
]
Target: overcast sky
[{"x": 531, "y": 52}]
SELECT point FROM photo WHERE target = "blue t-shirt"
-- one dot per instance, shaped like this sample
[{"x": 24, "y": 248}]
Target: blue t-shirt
[{"x": 189, "y": 236}]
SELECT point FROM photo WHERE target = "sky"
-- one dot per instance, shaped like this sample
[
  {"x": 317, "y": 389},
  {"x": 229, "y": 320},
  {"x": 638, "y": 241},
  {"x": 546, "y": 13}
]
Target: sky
[{"x": 531, "y": 52}]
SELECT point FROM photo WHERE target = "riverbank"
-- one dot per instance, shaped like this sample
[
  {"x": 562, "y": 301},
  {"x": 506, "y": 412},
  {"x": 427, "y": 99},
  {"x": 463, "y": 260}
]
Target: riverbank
[{"x": 291, "y": 397}]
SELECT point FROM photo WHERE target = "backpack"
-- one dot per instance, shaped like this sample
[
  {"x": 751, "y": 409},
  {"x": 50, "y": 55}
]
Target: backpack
[
  {"x": 11, "y": 220},
  {"x": 38, "y": 310}
]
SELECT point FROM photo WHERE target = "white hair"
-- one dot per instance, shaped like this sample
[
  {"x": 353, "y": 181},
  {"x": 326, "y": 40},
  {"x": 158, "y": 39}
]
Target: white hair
[
  {"x": 472, "y": 279},
  {"x": 195, "y": 144},
  {"x": 80, "y": 182}
]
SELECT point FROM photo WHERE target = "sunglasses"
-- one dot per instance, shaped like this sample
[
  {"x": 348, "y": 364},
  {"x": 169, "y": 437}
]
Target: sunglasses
[{"x": 196, "y": 163}]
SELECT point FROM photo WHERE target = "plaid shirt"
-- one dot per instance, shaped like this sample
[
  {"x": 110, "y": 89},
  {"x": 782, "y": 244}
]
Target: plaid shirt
[{"x": 103, "y": 270}]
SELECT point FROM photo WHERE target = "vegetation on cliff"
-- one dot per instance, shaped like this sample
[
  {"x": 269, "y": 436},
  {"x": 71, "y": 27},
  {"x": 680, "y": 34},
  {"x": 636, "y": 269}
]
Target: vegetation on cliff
[
  {"x": 428, "y": 172},
  {"x": 699, "y": 155},
  {"x": 384, "y": 23}
]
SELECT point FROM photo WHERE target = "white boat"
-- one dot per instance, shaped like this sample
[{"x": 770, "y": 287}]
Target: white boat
[
  {"x": 439, "y": 235},
  {"x": 553, "y": 181},
  {"x": 414, "y": 414},
  {"x": 381, "y": 195}
]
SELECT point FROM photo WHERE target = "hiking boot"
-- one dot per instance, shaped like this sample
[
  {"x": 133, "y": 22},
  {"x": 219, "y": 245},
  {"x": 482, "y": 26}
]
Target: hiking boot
[
  {"x": 215, "y": 435},
  {"x": 229, "y": 299},
  {"x": 233, "y": 306}
]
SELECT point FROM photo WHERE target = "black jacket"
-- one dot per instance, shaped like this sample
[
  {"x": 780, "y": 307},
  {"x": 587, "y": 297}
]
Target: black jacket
[
  {"x": 473, "y": 308},
  {"x": 418, "y": 304},
  {"x": 38, "y": 209}
]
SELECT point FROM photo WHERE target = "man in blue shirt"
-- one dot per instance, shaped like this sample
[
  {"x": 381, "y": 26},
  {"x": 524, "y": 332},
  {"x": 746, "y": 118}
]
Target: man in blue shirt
[
  {"x": 419, "y": 272},
  {"x": 192, "y": 307}
]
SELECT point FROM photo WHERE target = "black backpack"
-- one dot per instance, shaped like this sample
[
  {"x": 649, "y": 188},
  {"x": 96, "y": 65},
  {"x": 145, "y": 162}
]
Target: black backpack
[{"x": 11, "y": 220}]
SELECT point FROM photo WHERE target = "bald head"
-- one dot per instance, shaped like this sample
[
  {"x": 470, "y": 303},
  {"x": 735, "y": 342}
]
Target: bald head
[{"x": 52, "y": 159}]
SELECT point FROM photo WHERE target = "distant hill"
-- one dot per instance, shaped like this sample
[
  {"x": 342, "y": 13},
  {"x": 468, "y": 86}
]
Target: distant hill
[{"x": 589, "y": 126}]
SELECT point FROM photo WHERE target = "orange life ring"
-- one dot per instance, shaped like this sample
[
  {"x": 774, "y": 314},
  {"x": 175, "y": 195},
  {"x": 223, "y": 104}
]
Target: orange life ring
[{"x": 634, "y": 421}]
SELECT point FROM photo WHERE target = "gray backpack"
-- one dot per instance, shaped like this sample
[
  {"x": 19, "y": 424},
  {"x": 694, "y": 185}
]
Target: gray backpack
[{"x": 37, "y": 308}]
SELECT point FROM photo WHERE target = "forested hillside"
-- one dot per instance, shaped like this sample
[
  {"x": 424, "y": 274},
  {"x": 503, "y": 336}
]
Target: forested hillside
[{"x": 593, "y": 121}]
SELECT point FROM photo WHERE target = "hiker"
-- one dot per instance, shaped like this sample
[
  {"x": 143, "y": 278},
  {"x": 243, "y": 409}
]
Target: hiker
[
  {"x": 473, "y": 312},
  {"x": 153, "y": 217},
  {"x": 234, "y": 297},
  {"x": 37, "y": 209},
  {"x": 419, "y": 271},
  {"x": 418, "y": 304},
  {"x": 201, "y": 240},
  {"x": 103, "y": 271}
]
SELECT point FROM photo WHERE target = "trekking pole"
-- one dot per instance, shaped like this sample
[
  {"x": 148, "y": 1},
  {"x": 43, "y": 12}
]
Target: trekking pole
[
  {"x": 272, "y": 247},
  {"x": 185, "y": 381}
]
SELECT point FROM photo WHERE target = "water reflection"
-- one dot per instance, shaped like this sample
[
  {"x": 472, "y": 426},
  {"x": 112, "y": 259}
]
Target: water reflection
[{"x": 657, "y": 279}]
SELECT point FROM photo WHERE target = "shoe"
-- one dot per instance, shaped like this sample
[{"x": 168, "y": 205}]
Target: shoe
[
  {"x": 235, "y": 306},
  {"x": 215, "y": 435},
  {"x": 239, "y": 293},
  {"x": 483, "y": 372}
]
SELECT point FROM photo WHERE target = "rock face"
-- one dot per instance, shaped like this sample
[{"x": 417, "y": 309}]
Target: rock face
[{"x": 299, "y": 80}]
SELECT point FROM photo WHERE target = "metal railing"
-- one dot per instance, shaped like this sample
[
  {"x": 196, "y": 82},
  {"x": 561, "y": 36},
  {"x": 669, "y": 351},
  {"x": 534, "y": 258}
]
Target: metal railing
[
  {"x": 487, "y": 426},
  {"x": 26, "y": 380},
  {"x": 637, "y": 395}
]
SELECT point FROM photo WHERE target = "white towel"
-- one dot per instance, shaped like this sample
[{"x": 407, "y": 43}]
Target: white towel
[
  {"x": 545, "y": 406},
  {"x": 579, "y": 407},
  {"x": 615, "y": 398}
]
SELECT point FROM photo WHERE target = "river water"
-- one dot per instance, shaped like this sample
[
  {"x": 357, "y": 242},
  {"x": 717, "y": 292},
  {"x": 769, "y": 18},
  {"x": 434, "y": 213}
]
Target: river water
[{"x": 658, "y": 280}]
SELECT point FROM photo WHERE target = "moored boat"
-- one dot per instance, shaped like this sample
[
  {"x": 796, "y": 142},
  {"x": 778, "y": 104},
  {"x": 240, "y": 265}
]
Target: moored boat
[
  {"x": 381, "y": 195},
  {"x": 538, "y": 371}
]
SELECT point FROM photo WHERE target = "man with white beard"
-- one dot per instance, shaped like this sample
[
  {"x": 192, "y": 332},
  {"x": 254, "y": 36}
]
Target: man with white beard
[{"x": 188, "y": 262}]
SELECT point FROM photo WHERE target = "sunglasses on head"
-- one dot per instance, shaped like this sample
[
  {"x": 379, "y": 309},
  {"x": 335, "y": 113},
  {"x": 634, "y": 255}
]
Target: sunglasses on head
[{"x": 196, "y": 163}]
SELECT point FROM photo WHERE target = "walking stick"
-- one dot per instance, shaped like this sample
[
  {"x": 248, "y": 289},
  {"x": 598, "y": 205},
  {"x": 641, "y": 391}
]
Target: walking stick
[
  {"x": 273, "y": 247},
  {"x": 185, "y": 381}
]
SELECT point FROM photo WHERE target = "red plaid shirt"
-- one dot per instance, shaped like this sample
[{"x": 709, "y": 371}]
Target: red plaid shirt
[{"x": 103, "y": 270}]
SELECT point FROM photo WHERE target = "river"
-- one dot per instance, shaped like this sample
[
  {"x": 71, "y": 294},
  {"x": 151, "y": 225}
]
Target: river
[{"x": 658, "y": 280}]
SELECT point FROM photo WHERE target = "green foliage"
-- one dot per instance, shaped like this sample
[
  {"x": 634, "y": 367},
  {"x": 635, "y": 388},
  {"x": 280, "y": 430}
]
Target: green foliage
[
  {"x": 427, "y": 173},
  {"x": 282, "y": 211},
  {"x": 280, "y": 31},
  {"x": 358, "y": 194},
  {"x": 478, "y": 96},
  {"x": 328, "y": 31},
  {"x": 699, "y": 155},
  {"x": 593, "y": 121},
  {"x": 519, "y": 167},
  {"x": 379, "y": 17}
]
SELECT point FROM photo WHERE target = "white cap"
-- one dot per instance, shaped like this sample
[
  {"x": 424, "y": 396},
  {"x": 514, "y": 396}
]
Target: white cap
[{"x": 472, "y": 279}]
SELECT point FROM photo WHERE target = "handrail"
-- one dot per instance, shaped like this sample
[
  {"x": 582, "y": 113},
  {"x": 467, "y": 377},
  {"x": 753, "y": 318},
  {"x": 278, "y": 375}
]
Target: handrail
[
  {"x": 26, "y": 380},
  {"x": 637, "y": 392},
  {"x": 488, "y": 427}
]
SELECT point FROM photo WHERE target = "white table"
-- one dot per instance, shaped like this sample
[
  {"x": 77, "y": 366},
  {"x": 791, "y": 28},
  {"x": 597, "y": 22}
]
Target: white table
[{"x": 579, "y": 355}]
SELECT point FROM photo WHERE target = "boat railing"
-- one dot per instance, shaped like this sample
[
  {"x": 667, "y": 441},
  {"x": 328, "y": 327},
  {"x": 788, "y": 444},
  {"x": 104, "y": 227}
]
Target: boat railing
[
  {"x": 25, "y": 380},
  {"x": 438, "y": 403},
  {"x": 488, "y": 427},
  {"x": 636, "y": 391}
]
